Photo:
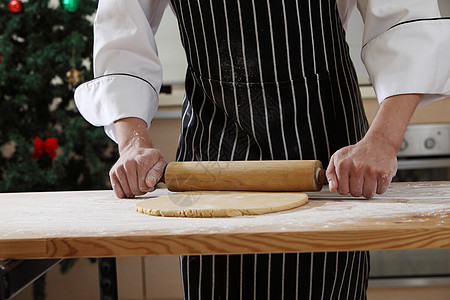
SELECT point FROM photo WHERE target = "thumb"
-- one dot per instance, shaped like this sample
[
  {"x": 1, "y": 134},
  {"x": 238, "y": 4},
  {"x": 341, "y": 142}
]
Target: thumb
[
  {"x": 331, "y": 176},
  {"x": 156, "y": 173}
]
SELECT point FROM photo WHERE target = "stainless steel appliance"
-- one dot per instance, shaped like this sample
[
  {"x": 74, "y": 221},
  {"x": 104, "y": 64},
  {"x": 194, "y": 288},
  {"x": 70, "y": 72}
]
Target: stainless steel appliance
[
  {"x": 424, "y": 156},
  {"x": 425, "y": 153}
]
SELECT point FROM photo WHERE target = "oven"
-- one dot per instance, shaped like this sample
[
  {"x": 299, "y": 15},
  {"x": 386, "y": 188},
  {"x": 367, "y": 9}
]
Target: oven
[{"x": 424, "y": 156}]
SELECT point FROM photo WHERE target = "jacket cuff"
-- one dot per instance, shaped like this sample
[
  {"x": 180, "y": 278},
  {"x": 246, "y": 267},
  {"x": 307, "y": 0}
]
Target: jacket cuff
[
  {"x": 411, "y": 57},
  {"x": 111, "y": 97}
]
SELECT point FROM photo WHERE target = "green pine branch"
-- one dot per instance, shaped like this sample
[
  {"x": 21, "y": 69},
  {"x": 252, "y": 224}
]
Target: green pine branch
[{"x": 38, "y": 47}]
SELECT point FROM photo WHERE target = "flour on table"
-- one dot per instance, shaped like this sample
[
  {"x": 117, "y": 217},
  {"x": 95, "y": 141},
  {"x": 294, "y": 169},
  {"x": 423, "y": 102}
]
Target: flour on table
[{"x": 208, "y": 204}]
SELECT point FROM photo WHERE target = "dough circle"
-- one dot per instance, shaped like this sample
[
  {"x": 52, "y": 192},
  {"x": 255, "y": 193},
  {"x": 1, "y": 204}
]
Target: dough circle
[{"x": 207, "y": 204}]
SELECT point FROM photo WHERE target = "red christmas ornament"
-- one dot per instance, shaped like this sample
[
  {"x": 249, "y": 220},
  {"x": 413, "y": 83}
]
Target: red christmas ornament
[
  {"x": 15, "y": 6},
  {"x": 48, "y": 146}
]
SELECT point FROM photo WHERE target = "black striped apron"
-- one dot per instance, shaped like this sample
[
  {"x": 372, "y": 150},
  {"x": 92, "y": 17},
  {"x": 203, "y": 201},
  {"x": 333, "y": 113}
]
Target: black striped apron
[{"x": 269, "y": 80}]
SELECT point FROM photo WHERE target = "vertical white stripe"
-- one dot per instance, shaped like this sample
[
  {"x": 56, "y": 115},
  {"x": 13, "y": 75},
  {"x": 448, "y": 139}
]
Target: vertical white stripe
[
  {"x": 188, "y": 279},
  {"x": 343, "y": 276},
  {"x": 188, "y": 104},
  {"x": 357, "y": 274},
  {"x": 221, "y": 137},
  {"x": 199, "y": 120},
  {"x": 220, "y": 79},
  {"x": 182, "y": 275},
  {"x": 185, "y": 29},
  {"x": 324, "y": 274},
  {"x": 227, "y": 279},
  {"x": 363, "y": 278},
  {"x": 326, "y": 65},
  {"x": 338, "y": 78},
  {"x": 283, "y": 270},
  {"x": 306, "y": 82},
  {"x": 182, "y": 133},
  {"x": 262, "y": 80},
  {"x": 353, "y": 92},
  {"x": 335, "y": 274},
  {"x": 350, "y": 276},
  {"x": 188, "y": 107},
  {"x": 241, "y": 271},
  {"x": 199, "y": 70},
  {"x": 236, "y": 107},
  {"x": 209, "y": 75},
  {"x": 213, "y": 276},
  {"x": 269, "y": 267},
  {"x": 250, "y": 104},
  {"x": 339, "y": 38},
  {"x": 356, "y": 99},
  {"x": 212, "y": 92},
  {"x": 311, "y": 268},
  {"x": 274, "y": 62},
  {"x": 255, "y": 261},
  {"x": 317, "y": 76},
  {"x": 294, "y": 96},
  {"x": 209, "y": 131},
  {"x": 323, "y": 35},
  {"x": 234, "y": 143},
  {"x": 200, "y": 278},
  {"x": 297, "y": 270},
  {"x": 248, "y": 147},
  {"x": 367, "y": 266}
]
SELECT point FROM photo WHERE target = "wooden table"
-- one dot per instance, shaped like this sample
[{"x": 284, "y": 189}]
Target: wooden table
[{"x": 97, "y": 224}]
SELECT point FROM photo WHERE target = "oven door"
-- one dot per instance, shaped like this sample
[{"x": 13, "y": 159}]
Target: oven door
[
  {"x": 402, "y": 268},
  {"x": 423, "y": 169}
]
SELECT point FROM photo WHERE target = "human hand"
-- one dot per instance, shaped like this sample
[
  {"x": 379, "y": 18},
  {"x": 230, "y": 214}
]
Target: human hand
[
  {"x": 137, "y": 171},
  {"x": 368, "y": 166},
  {"x": 363, "y": 169},
  {"x": 140, "y": 166}
]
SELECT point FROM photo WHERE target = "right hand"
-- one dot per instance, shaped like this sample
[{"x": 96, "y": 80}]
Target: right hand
[
  {"x": 140, "y": 166},
  {"x": 137, "y": 172}
]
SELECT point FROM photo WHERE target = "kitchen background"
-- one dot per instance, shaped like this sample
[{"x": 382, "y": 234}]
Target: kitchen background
[{"x": 417, "y": 274}]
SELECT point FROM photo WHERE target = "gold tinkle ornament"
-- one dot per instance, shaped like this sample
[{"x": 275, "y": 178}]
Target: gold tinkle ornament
[{"x": 74, "y": 77}]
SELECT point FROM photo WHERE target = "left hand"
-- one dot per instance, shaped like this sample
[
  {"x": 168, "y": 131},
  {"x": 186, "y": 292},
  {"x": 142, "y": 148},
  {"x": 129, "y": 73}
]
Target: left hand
[
  {"x": 363, "y": 169},
  {"x": 368, "y": 166}
]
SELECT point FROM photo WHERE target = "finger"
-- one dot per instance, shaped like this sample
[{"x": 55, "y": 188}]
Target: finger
[
  {"x": 142, "y": 174},
  {"x": 370, "y": 186},
  {"x": 383, "y": 183},
  {"x": 356, "y": 185},
  {"x": 132, "y": 177},
  {"x": 342, "y": 171},
  {"x": 122, "y": 177},
  {"x": 143, "y": 187},
  {"x": 155, "y": 173},
  {"x": 116, "y": 185},
  {"x": 331, "y": 176}
]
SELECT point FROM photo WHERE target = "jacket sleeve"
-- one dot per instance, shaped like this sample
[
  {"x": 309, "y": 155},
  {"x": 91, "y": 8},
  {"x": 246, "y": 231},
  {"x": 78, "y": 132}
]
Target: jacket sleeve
[
  {"x": 406, "y": 48},
  {"x": 127, "y": 71}
]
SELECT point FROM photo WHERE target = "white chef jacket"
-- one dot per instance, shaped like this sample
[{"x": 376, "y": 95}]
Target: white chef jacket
[{"x": 406, "y": 49}]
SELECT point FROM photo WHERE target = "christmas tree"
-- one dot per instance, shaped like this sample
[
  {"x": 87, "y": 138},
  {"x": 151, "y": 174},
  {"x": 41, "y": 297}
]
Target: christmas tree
[{"x": 45, "y": 145}]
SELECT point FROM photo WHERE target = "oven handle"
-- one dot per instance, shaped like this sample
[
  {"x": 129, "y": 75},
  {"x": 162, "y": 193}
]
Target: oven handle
[{"x": 423, "y": 163}]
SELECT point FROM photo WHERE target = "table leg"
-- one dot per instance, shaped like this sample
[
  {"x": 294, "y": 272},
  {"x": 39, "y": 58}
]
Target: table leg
[
  {"x": 107, "y": 278},
  {"x": 15, "y": 275}
]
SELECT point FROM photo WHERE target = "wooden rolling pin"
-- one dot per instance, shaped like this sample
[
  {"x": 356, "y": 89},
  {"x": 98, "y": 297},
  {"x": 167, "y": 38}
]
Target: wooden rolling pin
[{"x": 273, "y": 175}]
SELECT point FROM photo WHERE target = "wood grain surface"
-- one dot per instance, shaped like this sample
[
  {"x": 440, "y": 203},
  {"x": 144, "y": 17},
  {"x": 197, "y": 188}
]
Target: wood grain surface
[
  {"x": 95, "y": 223},
  {"x": 268, "y": 175}
]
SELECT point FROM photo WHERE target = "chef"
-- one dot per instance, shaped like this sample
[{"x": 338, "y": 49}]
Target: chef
[{"x": 269, "y": 80}]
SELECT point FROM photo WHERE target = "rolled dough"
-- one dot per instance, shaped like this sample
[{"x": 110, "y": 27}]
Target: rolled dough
[{"x": 206, "y": 204}]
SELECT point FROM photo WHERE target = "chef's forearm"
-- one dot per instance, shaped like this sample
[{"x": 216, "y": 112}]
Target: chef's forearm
[
  {"x": 392, "y": 119},
  {"x": 132, "y": 132}
]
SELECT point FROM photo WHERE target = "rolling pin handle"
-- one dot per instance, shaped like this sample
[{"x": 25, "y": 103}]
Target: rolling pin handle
[{"x": 321, "y": 176}]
